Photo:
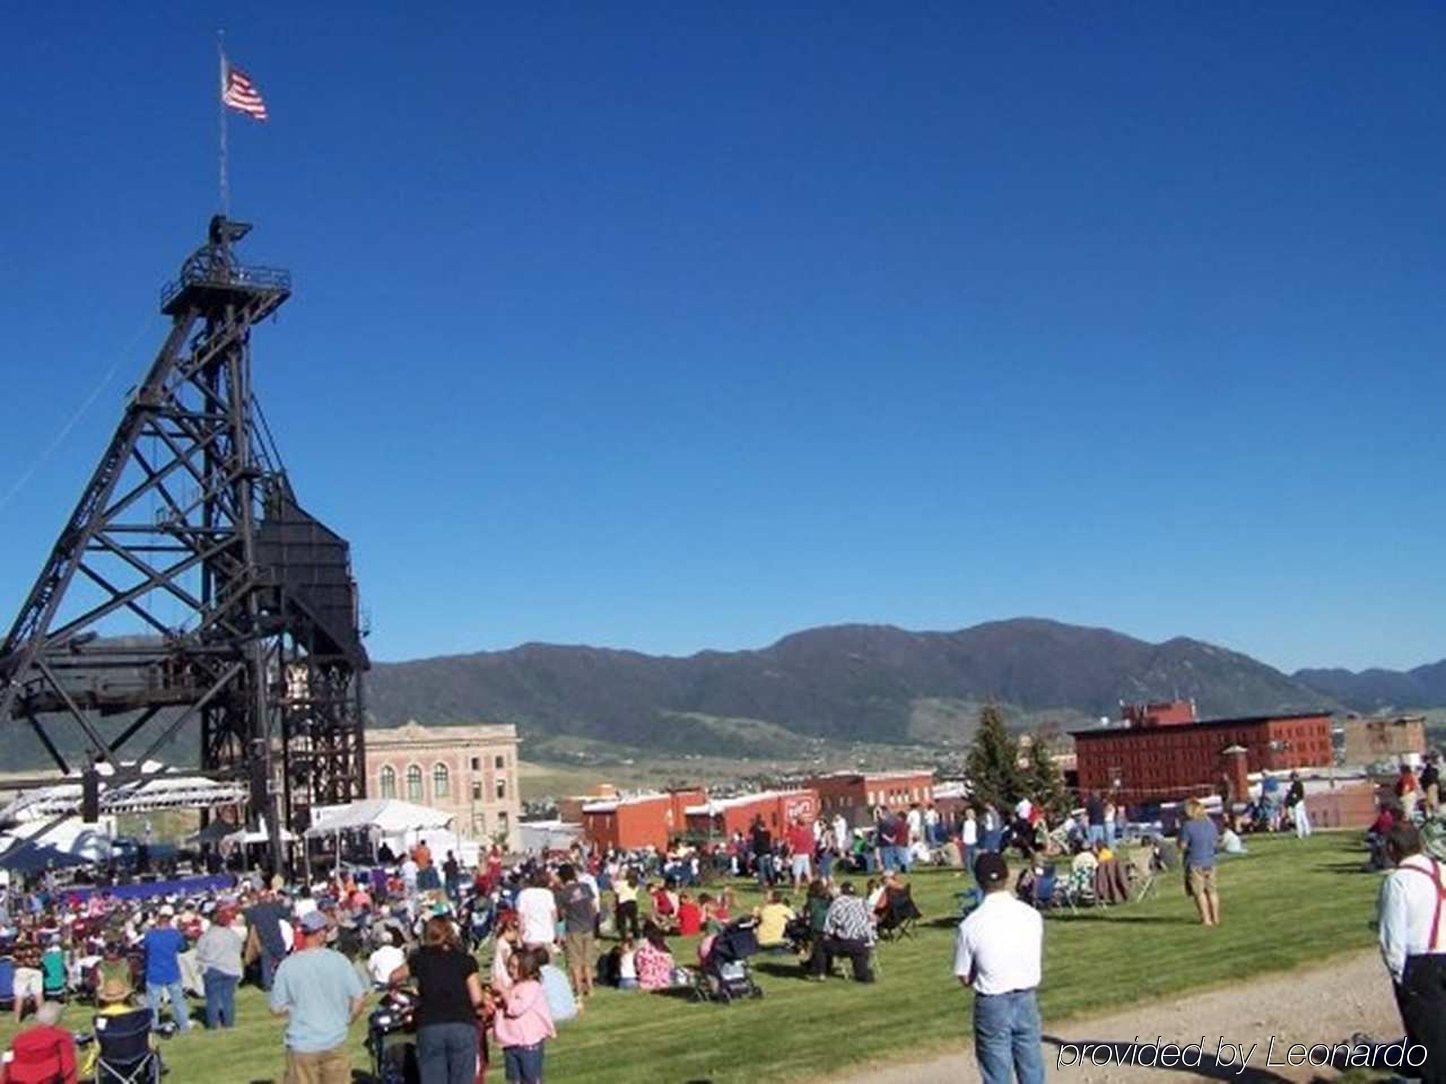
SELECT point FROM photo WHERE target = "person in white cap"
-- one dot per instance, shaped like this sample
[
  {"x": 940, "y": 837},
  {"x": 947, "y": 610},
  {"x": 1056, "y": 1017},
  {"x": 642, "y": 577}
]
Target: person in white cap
[
  {"x": 320, "y": 994},
  {"x": 164, "y": 945}
]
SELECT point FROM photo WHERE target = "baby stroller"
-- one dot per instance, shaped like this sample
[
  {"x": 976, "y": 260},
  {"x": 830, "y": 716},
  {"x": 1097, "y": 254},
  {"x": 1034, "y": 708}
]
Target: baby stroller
[
  {"x": 725, "y": 975},
  {"x": 390, "y": 1029}
]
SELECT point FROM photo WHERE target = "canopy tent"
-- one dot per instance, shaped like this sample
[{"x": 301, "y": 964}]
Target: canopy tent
[
  {"x": 31, "y": 857},
  {"x": 36, "y": 845},
  {"x": 387, "y": 816},
  {"x": 157, "y": 789},
  {"x": 553, "y": 835}
]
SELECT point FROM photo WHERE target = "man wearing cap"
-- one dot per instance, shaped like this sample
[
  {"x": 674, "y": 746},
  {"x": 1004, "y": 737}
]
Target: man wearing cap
[
  {"x": 164, "y": 945},
  {"x": 320, "y": 993},
  {"x": 1413, "y": 944},
  {"x": 997, "y": 952}
]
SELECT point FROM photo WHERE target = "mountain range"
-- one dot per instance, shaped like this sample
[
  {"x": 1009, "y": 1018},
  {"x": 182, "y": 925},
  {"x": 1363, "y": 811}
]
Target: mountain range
[{"x": 873, "y": 683}]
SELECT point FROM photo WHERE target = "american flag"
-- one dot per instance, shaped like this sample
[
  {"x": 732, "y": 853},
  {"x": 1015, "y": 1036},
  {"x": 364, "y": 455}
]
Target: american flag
[{"x": 241, "y": 94}]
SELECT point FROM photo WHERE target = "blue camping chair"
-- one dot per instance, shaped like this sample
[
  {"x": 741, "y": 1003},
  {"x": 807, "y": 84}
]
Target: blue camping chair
[{"x": 125, "y": 1055}]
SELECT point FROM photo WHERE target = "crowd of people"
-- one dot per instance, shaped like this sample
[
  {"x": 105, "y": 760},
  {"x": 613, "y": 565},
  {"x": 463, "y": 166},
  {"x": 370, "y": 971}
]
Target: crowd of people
[{"x": 489, "y": 958}]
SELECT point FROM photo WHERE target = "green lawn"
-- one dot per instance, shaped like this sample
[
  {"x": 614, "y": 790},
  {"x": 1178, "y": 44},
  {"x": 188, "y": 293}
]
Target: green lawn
[{"x": 1285, "y": 904}]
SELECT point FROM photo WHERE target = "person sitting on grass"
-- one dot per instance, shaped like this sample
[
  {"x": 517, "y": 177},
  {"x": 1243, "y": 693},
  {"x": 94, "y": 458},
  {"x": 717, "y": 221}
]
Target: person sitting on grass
[
  {"x": 816, "y": 907},
  {"x": 665, "y": 907},
  {"x": 627, "y": 964},
  {"x": 848, "y": 931},
  {"x": 653, "y": 960},
  {"x": 690, "y": 916},
  {"x": 724, "y": 905},
  {"x": 773, "y": 919}
]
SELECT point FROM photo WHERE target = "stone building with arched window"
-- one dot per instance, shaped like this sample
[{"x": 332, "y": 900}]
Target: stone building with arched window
[{"x": 469, "y": 771}]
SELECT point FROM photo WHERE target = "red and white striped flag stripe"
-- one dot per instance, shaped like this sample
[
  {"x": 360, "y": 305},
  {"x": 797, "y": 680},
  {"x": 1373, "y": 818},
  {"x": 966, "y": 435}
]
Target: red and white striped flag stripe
[{"x": 241, "y": 94}]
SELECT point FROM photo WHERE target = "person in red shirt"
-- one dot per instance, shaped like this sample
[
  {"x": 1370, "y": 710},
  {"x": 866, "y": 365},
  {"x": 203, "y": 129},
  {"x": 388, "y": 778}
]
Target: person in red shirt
[
  {"x": 43, "y": 1053},
  {"x": 690, "y": 916},
  {"x": 800, "y": 847}
]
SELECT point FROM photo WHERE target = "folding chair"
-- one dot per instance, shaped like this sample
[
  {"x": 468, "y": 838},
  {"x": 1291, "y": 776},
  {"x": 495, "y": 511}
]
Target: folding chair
[
  {"x": 1080, "y": 888},
  {"x": 125, "y": 1055},
  {"x": 1142, "y": 872},
  {"x": 7, "y": 983}
]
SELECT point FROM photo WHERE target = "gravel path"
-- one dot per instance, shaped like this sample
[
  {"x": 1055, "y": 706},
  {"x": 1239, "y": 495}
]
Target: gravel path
[{"x": 1320, "y": 1004}]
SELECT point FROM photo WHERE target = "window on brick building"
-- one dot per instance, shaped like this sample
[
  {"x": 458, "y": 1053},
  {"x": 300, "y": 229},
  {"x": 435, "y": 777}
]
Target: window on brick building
[
  {"x": 476, "y": 792},
  {"x": 499, "y": 763},
  {"x": 476, "y": 764},
  {"x": 388, "y": 781},
  {"x": 441, "y": 781},
  {"x": 414, "y": 783},
  {"x": 501, "y": 790}
]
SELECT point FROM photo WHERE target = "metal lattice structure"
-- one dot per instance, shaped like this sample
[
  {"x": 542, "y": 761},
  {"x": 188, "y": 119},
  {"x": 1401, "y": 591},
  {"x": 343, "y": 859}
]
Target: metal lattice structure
[{"x": 189, "y": 591}]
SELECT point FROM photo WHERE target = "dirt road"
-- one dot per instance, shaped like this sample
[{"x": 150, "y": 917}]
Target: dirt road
[{"x": 1325, "y": 1004}]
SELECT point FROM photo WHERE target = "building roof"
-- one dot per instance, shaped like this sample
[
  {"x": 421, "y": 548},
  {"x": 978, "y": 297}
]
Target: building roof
[
  {"x": 609, "y": 805},
  {"x": 877, "y": 777},
  {"x": 718, "y": 805},
  {"x": 1178, "y": 728},
  {"x": 413, "y": 733}
]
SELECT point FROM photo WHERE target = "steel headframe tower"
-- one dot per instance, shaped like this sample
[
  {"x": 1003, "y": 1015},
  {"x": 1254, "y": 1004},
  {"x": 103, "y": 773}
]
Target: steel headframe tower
[{"x": 189, "y": 591}]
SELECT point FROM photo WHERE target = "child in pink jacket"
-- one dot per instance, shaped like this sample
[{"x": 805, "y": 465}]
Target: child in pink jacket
[{"x": 523, "y": 1023}]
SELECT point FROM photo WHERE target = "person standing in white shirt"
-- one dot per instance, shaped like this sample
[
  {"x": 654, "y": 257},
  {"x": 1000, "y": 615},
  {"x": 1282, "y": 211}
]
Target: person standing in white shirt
[
  {"x": 997, "y": 953},
  {"x": 537, "y": 912},
  {"x": 410, "y": 872},
  {"x": 969, "y": 838},
  {"x": 1413, "y": 945}
]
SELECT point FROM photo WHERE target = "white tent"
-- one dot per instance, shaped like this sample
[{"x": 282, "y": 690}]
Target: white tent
[{"x": 387, "y": 816}]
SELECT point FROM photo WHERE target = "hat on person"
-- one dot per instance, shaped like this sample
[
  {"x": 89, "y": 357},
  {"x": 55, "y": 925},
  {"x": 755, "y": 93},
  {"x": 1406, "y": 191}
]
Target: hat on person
[
  {"x": 313, "y": 922},
  {"x": 990, "y": 869},
  {"x": 167, "y": 911},
  {"x": 113, "y": 988}
]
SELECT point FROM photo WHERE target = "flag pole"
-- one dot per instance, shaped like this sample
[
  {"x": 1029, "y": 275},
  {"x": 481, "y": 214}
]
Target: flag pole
[{"x": 221, "y": 122}]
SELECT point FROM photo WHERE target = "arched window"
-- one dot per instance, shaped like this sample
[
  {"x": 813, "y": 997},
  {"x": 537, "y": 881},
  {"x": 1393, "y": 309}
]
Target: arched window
[
  {"x": 389, "y": 781},
  {"x": 414, "y": 783},
  {"x": 441, "y": 781}
]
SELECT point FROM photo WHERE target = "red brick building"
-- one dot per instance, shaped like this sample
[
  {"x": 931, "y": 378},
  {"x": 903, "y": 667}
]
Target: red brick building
[
  {"x": 721, "y": 817},
  {"x": 642, "y": 820},
  {"x": 855, "y": 794},
  {"x": 1174, "y": 759}
]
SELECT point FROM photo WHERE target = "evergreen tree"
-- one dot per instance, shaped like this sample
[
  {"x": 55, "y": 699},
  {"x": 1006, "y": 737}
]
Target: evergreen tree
[
  {"x": 1042, "y": 780},
  {"x": 994, "y": 775}
]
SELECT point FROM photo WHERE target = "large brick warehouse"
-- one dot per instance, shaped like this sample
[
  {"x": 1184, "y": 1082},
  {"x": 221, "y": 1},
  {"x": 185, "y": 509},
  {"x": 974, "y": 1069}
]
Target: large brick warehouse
[{"x": 1164, "y": 760}]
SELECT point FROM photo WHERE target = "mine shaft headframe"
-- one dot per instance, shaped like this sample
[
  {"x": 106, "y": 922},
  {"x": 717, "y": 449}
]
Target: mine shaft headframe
[
  {"x": 212, "y": 276},
  {"x": 188, "y": 529}
]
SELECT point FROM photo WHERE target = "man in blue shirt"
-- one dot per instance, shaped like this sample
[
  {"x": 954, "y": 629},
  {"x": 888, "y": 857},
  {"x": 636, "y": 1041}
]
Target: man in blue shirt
[
  {"x": 164, "y": 945},
  {"x": 320, "y": 993},
  {"x": 1198, "y": 839}
]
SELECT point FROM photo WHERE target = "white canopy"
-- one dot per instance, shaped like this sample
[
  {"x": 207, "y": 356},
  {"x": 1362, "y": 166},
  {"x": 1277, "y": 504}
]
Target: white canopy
[{"x": 389, "y": 816}]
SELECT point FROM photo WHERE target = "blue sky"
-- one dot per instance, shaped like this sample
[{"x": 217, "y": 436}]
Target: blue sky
[{"x": 678, "y": 326}]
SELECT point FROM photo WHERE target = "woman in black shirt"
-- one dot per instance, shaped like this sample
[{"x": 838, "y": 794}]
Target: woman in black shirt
[{"x": 449, "y": 999}]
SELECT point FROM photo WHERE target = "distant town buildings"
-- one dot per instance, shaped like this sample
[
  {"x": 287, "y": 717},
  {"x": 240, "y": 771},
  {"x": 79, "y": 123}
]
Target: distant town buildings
[
  {"x": 640, "y": 820},
  {"x": 856, "y": 794},
  {"x": 468, "y": 771},
  {"x": 719, "y": 818},
  {"x": 1368, "y": 740},
  {"x": 1168, "y": 754}
]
